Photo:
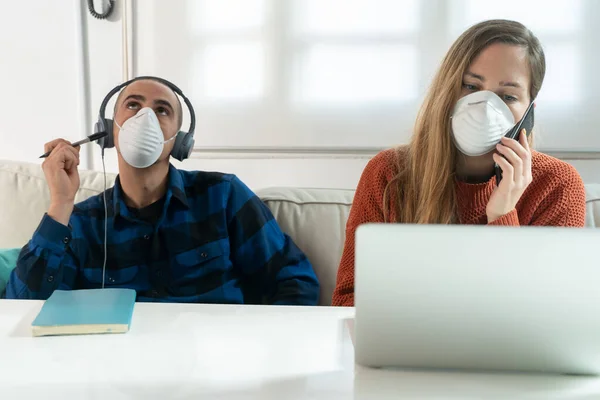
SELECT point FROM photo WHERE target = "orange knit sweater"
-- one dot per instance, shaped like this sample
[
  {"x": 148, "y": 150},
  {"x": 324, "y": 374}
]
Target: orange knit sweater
[{"x": 555, "y": 197}]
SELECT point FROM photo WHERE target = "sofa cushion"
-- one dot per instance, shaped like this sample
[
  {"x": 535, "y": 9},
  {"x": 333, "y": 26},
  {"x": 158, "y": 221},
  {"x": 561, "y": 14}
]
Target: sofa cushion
[
  {"x": 24, "y": 198},
  {"x": 316, "y": 220}
]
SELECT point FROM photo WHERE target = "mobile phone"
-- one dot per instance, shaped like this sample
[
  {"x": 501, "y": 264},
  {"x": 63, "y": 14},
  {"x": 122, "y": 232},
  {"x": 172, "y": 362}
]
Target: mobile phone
[{"x": 526, "y": 123}]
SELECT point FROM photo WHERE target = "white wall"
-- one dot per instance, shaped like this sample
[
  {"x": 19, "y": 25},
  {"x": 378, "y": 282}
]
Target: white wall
[
  {"x": 50, "y": 47},
  {"x": 322, "y": 171},
  {"x": 41, "y": 76}
]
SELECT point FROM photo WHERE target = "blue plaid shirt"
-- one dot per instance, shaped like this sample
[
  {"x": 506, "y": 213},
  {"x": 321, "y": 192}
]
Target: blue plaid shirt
[{"x": 215, "y": 242}]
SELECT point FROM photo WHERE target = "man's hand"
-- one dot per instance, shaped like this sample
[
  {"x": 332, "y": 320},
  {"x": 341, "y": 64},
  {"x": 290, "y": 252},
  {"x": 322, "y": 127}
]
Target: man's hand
[
  {"x": 516, "y": 176},
  {"x": 60, "y": 169}
]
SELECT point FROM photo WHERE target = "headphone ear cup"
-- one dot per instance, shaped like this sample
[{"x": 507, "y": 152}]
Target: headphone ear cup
[
  {"x": 188, "y": 145},
  {"x": 105, "y": 125},
  {"x": 184, "y": 144},
  {"x": 109, "y": 140}
]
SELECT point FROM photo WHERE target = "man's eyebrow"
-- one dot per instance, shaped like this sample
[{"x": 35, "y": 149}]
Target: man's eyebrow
[
  {"x": 163, "y": 102},
  {"x": 135, "y": 96}
]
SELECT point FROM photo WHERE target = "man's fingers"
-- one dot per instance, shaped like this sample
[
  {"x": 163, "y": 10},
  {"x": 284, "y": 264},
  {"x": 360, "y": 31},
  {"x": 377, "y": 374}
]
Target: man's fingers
[
  {"x": 57, "y": 151},
  {"x": 64, "y": 156},
  {"x": 69, "y": 160},
  {"x": 74, "y": 151},
  {"x": 53, "y": 144}
]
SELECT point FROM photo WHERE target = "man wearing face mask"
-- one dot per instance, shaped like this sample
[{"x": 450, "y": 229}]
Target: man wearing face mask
[{"x": 172, "y": 235}]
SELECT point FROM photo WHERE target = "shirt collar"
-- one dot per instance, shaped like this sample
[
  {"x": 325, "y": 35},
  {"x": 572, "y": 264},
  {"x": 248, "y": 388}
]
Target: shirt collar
[
  {"x": 175, "y": 189},
  {"x": 176, "y": 186}
]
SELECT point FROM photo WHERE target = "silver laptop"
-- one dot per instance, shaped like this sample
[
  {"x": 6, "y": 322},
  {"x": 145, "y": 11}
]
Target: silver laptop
[{"x": 478, "y": 298}]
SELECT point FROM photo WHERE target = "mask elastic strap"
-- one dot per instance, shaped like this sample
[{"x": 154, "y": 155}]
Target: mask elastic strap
[{"x": 168, "y": 140}]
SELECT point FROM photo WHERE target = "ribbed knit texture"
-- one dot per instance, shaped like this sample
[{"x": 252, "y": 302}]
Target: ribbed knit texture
[{"x": 555, "y": 197}]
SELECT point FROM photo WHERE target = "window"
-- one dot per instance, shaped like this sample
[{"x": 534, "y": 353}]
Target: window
[
  {"x": 351, "y": 73},
  {"x": 559, "y": 28},
  {"x": 351, "y": 51},
  {"x": 230, "y": 49}
]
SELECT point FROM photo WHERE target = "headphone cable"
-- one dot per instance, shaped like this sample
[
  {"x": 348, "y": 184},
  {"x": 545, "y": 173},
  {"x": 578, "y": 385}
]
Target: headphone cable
[{"x": 105, "y": 220}]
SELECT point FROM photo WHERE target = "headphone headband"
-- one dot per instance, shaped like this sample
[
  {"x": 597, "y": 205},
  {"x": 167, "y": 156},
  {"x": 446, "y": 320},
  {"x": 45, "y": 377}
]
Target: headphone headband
[
  {"x": 165, "y": 82},
  {"x": 184, "y": 141}
]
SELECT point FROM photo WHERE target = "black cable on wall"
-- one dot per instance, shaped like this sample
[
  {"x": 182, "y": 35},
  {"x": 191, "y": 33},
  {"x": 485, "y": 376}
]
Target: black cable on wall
[{"x": 103, "y": 15}]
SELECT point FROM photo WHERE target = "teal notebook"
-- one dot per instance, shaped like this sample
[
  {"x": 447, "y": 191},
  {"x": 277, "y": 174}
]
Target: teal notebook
[{"x": 83, "y": 312}]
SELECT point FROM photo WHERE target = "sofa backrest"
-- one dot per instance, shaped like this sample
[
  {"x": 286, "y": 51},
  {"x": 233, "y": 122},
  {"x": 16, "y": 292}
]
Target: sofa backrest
[
  {"x": 24, "y": 198},
  {"x": 592, "y": 199},
  {"x": 314, "y": 218}
]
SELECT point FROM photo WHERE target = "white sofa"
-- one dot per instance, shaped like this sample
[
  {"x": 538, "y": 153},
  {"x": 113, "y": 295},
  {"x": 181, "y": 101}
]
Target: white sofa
[{"x": 314, "y": 218}]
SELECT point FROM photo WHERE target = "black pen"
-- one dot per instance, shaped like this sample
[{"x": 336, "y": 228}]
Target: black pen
[{"x": 88, "y": 139}]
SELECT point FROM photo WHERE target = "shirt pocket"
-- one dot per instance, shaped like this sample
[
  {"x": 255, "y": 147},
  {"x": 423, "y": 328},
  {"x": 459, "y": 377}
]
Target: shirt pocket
[
  {"x": 207, "y": 263},
  {"x": 114, "y": 278}
]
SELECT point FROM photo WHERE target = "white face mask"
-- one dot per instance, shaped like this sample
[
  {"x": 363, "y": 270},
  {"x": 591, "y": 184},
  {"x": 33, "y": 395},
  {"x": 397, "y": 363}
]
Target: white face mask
[
  {"x": 479, "y": 121},
  {"x": 141, "y": 141}
]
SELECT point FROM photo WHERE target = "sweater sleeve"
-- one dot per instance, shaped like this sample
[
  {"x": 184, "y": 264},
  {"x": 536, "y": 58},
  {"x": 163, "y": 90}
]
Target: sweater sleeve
[
  {"x": 564, "y": 201},
  {"x": 510, "y": 219},
  {"x": 557, "y": 198},
  {"x": 367, "y": 207}
]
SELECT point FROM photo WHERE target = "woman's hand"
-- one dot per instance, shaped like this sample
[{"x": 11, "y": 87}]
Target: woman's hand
[{"x": 516, "y": 176}]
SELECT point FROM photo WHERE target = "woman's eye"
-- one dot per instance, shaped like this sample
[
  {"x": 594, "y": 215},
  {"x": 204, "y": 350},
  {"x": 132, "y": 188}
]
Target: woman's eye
[
  {"x": 470, "y": 87},
  {"x": 509, "y": 98},
  {"x": 132, "y": 105}
]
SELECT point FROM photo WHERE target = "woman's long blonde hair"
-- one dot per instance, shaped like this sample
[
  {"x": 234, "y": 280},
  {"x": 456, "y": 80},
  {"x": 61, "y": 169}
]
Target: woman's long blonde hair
[{"x": 424, "y": 190}]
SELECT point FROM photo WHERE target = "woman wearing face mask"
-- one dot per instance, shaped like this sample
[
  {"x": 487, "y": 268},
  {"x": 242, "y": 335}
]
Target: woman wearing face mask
[{"x": 445, "y": 175}]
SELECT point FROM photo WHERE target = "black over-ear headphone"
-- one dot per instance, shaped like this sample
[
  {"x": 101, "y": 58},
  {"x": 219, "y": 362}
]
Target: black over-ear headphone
[{"x": 184, "y": 142}]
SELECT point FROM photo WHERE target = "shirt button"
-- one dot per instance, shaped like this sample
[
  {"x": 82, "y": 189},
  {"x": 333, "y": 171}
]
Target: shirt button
[
  {"x": 203, "y": 255},
  {"x": 146, "y": 237},
  {"x": 51, "y": 278},
  {"x": 111, "y": 280},
  {"x": 65, "y": 240}
]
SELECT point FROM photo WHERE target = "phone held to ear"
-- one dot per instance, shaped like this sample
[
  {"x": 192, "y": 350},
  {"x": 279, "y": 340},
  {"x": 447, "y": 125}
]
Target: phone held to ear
[{"x": 526, "y": 123}]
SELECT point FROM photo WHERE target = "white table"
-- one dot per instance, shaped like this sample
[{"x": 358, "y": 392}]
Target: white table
[{"x": 177, "y": 351}]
